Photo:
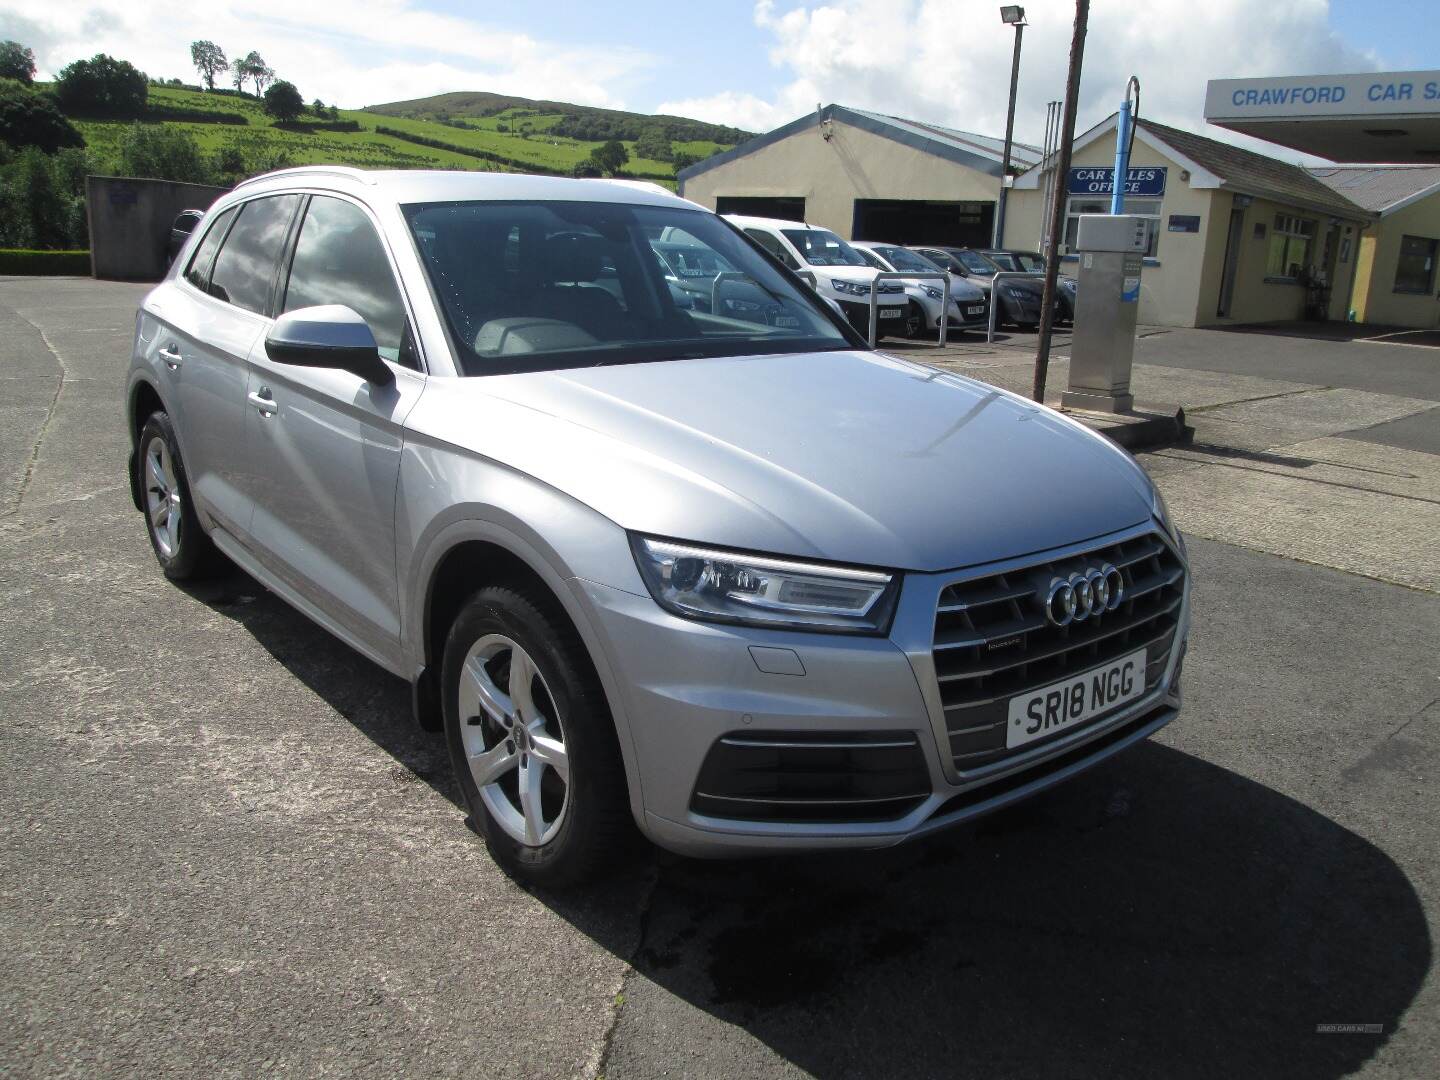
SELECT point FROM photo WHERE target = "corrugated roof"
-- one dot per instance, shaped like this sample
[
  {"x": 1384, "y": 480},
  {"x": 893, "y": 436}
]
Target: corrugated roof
[
  {"x": 1378, "y": 187},
  {"x": 1022, "y": 155},
  {"x": 1252, "y": 173}
]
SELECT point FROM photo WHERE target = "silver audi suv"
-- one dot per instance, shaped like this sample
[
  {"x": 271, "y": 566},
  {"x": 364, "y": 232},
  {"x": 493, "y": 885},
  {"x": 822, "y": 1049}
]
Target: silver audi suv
[{"x": 720, "y": 572}]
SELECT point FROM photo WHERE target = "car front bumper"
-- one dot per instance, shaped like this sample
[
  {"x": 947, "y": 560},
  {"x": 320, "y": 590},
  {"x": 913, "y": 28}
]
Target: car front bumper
[{"x": 689, "y": 685}]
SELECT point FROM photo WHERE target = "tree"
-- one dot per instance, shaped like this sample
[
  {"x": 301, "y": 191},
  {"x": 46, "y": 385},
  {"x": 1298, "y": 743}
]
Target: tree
[
  {"x": 41, "y": 200},
  {"x": 318, "y": 108},
  {"x": 610, "y": 156},
  {"x": 102, "y": 86},
  {"x": 283, "y": 101},
  {"x": 238, "y": 74},
  {"x": 257, "y": 72},
  {"x": 29, "y": 118},
  {"x": 654, "y": 143},
  {"x": 163, "y": 153},
  {"x": 682, "y": 159},
  {"x": 16, "y": 62},
  {"x": 209, "y": 60}
]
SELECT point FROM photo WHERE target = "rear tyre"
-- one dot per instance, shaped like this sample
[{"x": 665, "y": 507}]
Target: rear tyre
[
  {"x": 180, "y": 544},
  {"x": 531, "y": 740}
]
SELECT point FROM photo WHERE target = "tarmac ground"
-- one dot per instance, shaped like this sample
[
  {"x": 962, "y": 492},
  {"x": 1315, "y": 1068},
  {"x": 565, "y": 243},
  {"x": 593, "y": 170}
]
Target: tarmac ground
[{"x": 227, "y": 852}]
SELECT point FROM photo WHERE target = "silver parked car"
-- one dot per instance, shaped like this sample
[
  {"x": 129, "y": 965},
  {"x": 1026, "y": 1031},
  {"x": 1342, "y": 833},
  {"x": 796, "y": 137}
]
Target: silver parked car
[{"x": 740, "y": 581}]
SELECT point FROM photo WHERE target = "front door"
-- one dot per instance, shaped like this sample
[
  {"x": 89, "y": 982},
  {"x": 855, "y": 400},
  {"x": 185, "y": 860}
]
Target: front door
[
  {"x": 328, "y": 443},
  {"x": 1233, "y": 239}
]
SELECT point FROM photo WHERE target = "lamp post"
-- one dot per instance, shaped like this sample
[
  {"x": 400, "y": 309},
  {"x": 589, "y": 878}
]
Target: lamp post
[{"x": 1010, "y": 15}]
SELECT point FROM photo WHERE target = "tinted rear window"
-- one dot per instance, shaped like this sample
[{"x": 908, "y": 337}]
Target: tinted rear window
[{"x": 245, "y": 267}]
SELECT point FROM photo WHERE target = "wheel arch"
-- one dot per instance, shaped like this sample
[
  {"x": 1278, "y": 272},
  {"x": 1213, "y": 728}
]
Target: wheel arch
[
  {"x": 468, "y": 555},
  {"x": 144, "y": 399}
]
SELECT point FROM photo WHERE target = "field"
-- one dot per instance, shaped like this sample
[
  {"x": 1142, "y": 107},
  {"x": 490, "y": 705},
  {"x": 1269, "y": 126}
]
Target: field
[{"x": 518, "y": 135}]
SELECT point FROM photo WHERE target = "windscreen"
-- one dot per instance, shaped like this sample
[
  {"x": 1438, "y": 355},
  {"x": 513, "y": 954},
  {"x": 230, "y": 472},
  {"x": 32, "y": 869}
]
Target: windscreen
[
  {"x": 976, "y": 263},
  {"x": 820, "y": 247},
  {"x": 904, "y": 259},
  {"x": 527, "y": 286}
]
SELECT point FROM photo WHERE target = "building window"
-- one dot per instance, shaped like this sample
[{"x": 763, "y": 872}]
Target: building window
[
  {"x": 1415, "y": 272},
  {"x": 1290, "y": 243},
  {"x": 1145, "y": 206}
]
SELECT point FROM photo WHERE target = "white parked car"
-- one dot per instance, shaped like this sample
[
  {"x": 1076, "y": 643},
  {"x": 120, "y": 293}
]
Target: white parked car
[
  {"x": 835, "y": 270},
  {"x": 968, "y": 303}
]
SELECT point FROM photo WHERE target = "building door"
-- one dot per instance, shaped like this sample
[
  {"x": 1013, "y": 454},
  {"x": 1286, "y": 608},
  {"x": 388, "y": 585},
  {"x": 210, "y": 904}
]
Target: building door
[
  {"x": 1232, "y": 260},
  {"x": 924, "y": 221}
]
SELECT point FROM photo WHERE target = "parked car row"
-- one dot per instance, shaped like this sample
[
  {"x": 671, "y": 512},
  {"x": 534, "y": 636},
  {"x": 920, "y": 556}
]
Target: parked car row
[{"x": 844, "y": 271}]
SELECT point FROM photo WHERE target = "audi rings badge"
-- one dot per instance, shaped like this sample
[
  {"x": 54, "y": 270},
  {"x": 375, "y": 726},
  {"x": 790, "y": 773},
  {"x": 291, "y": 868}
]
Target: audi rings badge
[{"x": 1085, "y": 594}]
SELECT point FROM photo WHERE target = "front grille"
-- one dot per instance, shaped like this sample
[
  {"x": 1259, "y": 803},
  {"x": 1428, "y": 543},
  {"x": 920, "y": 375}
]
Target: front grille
[
  {"x": 890, "y": 287},
  {"x": 993, "y": 641}
]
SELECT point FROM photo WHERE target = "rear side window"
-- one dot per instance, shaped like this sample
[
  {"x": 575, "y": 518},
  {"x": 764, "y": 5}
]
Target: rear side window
[
  {"x": 199, "y": 267},
  {"x": 339, "y": 260},
  {"x": 774, "y": 246},
  {"x": 245, "y": 268}
]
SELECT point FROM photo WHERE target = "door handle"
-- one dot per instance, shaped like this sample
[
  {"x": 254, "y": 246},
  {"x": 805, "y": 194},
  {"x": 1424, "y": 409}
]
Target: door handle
[
  {"x": 262, "y": 401},
  {"x": 171, "y": 355}
]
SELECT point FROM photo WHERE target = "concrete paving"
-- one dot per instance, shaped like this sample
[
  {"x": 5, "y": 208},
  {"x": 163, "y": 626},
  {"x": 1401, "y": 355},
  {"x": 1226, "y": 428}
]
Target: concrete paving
[{"x": 226, "y": 852}]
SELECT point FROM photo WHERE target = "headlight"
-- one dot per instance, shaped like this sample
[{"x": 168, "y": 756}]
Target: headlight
[
  {"x": 756, "y": 590},
  {"x": 1162, "y": 515},
  {"x": 933, "y": 293},
  {"x": 1068, "y": 284},
  {"x": 850, "y": 288}
]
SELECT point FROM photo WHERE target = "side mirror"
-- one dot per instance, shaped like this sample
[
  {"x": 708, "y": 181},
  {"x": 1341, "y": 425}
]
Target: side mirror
[{"x": 329, "y": 336}]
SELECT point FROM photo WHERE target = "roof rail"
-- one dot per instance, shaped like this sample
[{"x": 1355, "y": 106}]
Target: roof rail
[{"x": 348, "y": 173}]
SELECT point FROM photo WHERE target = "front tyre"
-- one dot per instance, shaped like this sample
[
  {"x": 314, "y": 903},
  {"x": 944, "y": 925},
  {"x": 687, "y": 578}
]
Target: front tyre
[
  {"x": 180, "y": 544},
  {"x": 531, "y": 739}
]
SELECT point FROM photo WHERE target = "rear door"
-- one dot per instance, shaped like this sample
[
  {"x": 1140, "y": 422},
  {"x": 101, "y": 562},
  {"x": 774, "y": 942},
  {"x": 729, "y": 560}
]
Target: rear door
[{"x": 327, "y": 443}]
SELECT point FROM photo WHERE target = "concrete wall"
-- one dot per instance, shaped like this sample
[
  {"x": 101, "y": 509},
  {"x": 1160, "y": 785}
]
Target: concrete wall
[
  {"x": 130, "y": 223},
  {"x": 1375, "y": 299},
  {"x": 831, "y": 175}
]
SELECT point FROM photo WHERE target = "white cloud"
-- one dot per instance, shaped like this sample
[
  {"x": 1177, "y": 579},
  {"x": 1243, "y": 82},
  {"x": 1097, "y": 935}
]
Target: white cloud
[
  {"x": 353, "y": 53},
  {"x": 949, "y": 63}
]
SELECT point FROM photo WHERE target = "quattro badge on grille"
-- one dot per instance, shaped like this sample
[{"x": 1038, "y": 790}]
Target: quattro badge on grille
[{"x": 1087, "y": 593}]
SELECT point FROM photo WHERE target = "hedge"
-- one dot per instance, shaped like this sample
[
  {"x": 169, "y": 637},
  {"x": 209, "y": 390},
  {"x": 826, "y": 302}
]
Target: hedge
[
  {"x": 44, "y": 263},
  {"x": 500, "y": 159},
  {"x": 188, "y": 115}
]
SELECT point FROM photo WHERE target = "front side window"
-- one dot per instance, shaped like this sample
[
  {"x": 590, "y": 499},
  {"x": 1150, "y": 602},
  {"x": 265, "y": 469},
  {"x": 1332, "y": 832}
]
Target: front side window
[
  {"x": 245, "y": 268},
  {"x": 821, "y": 247},
  {"x": 1291, "y": 241},
  {"x": 339, "y": 260},
  {"x": 528, "y": 286},
  {"x": 199, "y": 269},
  {"x": 1415, "y": 269},
  {"x": 872, "y": 258}
]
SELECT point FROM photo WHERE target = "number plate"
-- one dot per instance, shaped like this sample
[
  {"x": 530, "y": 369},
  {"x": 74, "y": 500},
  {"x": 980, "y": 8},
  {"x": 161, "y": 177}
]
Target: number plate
[
  {"x": 1071, "y": 702},
  {"x": 890, "y": 312},
  {"x": 978, "y": 310}
]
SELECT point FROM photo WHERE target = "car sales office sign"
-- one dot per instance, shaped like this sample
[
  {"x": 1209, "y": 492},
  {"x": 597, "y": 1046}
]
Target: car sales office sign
[{"x": 1143, "y": 180}]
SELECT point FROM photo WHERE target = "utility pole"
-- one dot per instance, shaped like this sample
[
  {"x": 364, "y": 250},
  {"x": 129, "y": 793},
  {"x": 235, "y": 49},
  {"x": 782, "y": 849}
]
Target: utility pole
[
  {"x": 1011, "y": 15},
  {"x": 1061, "y": 197}
]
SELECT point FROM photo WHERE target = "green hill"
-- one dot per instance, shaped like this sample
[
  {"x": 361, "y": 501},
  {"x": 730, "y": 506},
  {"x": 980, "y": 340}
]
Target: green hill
[{"x": 452, "y": 131}]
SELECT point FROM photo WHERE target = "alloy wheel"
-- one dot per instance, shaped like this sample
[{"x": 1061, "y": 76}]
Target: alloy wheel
[
  {"x": 162, "y": 497},
  {"x": 514, "y": 742}
]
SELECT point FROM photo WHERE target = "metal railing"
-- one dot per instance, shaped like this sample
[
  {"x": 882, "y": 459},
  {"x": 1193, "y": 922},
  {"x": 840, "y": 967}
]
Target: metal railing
[
  {"x": 995, "y": 283},
  {"x": 896, "y": 275}
]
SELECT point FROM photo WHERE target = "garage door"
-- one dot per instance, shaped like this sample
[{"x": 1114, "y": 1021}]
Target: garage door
[
  {"x": 921, "y": 221},
  {"x": 785, "y": 207}
]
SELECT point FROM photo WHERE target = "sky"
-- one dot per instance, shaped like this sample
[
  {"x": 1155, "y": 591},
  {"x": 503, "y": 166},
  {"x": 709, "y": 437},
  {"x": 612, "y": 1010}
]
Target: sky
[{"x": 754, "y": 64}]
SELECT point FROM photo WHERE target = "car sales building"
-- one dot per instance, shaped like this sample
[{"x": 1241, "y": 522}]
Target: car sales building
[
  {"x": 1237, "y": 237},
  {"x": 865, "y": 176}
]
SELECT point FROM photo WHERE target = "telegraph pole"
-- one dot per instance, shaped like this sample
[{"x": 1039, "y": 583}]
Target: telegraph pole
[{"x": 1061, "y": 197}]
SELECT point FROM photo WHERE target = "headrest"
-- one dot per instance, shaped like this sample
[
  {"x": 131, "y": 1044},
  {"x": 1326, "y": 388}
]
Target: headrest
[{"x": 572, "y": 258}]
